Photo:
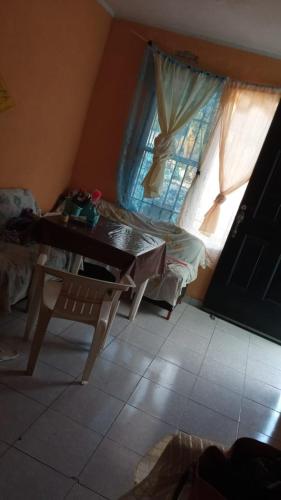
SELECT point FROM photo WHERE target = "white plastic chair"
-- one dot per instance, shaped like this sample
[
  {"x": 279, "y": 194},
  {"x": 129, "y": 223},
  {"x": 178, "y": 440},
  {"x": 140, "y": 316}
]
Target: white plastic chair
[{"x": 77, "y": 298}]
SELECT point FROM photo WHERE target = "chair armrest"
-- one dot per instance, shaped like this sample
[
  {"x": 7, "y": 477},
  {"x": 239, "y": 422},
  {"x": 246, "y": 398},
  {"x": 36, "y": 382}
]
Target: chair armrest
[
  {"x": 127, "y": 280},
  {"x": 42, "y": 259}
]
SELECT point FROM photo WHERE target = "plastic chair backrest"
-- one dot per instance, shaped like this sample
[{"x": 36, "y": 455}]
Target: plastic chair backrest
[{"x": 80, "y": 298}]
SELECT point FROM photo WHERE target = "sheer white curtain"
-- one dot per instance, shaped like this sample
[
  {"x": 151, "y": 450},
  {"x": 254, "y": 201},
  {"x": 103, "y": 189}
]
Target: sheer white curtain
[
  {"x": 214, "y": 198},
  {"x": 180, "y": 92}
]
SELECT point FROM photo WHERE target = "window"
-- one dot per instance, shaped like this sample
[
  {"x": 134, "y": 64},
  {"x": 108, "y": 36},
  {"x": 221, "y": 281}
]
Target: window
[
  {"x": 245, "y": 118},
  {"x": 181, "y": 168}
]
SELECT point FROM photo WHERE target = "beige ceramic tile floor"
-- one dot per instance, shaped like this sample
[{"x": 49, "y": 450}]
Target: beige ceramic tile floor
[{"x": 60, "y": 440}]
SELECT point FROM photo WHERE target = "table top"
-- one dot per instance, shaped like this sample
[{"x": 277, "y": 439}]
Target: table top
[{"x": 139, "y": 254}]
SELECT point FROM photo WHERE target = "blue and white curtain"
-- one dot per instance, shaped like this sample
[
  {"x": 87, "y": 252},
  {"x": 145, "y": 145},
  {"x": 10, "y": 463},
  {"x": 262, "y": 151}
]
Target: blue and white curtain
[
  {"x": 178, "y": 92},
  {"x": 137, "y": 130}
]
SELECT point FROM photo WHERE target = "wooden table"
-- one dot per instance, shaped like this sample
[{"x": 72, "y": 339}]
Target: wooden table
[{"x": 141, "y": 256}]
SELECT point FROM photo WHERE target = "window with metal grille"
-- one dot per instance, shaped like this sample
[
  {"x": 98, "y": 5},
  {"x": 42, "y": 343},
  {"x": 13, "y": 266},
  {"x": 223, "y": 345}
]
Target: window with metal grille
[{"x": 181, "y": 168}]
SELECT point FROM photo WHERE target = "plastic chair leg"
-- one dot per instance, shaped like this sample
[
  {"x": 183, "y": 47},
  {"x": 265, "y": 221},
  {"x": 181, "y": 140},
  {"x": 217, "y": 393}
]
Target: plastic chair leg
[
  {"x": 33, "y": 305},
  {"x": 97, "y": 344},
  {"x": 43, "y": 320}
]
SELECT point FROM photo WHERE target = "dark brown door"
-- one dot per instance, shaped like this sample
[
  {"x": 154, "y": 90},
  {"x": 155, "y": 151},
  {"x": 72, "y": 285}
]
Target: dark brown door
[{"x": 246, "y": 286}]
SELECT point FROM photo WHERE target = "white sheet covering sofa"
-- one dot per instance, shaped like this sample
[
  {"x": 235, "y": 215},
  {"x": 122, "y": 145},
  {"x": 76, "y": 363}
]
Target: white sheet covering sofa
[
  {"x": 185, "y": 252},
  {"x": 17, "y": 261}
]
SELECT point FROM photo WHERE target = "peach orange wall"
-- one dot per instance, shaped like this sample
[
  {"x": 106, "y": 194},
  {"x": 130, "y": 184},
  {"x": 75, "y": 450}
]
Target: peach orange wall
[
  {"x": 97, "y": 159},
  {"x": 50, "y": 52}
]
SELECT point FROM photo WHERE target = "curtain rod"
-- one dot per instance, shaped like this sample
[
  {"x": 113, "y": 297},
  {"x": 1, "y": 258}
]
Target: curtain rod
[
  {"x": 154, "y": 48},
  {"x": 173, "y": 59}
]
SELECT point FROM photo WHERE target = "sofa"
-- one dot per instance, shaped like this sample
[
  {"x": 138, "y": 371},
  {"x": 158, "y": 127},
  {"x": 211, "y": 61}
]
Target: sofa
[
  {"x": 187, "y": 467},
  {"x": 185, "y": 253},
  {"x": 18, "y": 260},
  {"x": 162, "y": 469}
]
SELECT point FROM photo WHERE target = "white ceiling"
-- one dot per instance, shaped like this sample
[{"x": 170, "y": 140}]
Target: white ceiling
[{"x": 254, "y": 25}]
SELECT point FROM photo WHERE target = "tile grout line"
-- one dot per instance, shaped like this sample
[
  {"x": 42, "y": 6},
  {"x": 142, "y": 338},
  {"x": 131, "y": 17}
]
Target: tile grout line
[
  {"x": 244, "y": 386},
  {"x": 144, "y": 413},
  {"x": 142, "y": 376},
  {"x": 114, "y": 338},
  {"x": 75, "y": 479},
  {"x": 125, "y": 404},
  {"x": 188, "y": 398},
  {"x": 77, "y": 483},
  {"x": 8, "y": 447},
  {"x": 13, "y": 445},
  {"x": 19, "y": 450},
  {"x": 46, "y": 408},
  {"x": 44, "y": 463},
  {"x": 92, "y": 455},
  {"x": 102, "y": 440},
  {"x": 206, "y": 351},
  {"x": 172, "y": 390},
  {"x": 125, "y": 341}
]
